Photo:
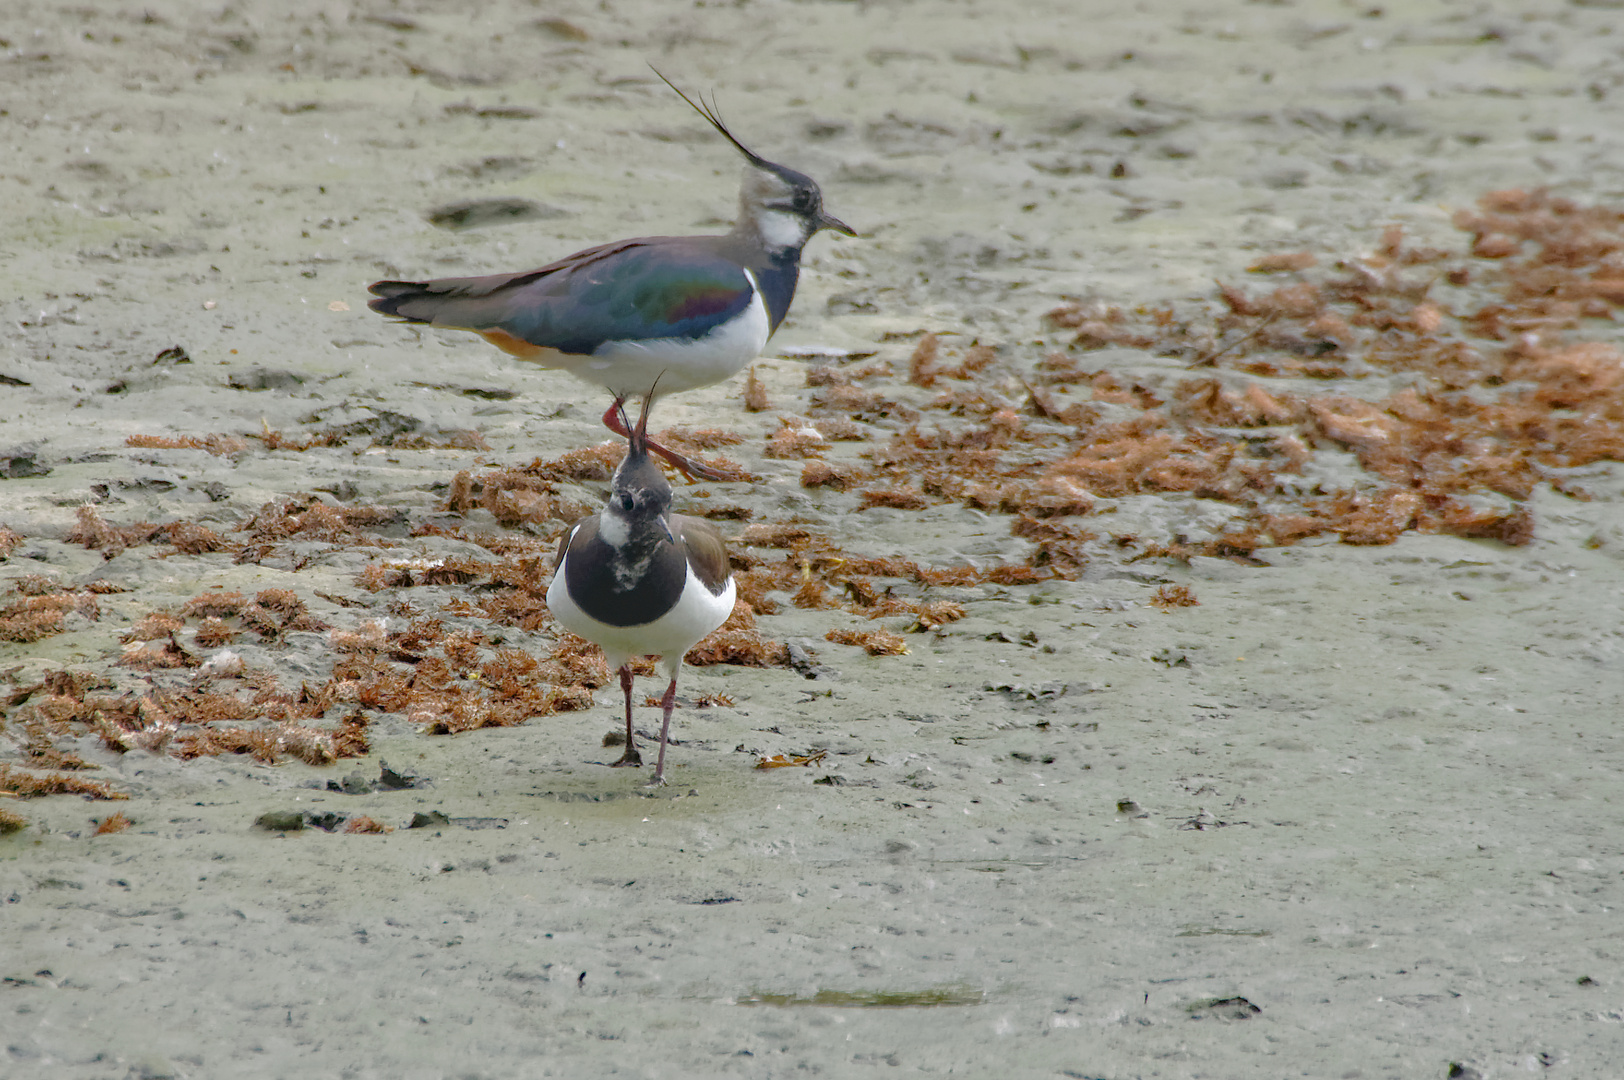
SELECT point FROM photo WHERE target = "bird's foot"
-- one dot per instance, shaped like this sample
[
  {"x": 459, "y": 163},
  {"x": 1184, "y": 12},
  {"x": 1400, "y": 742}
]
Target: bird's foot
[
  {"x": 656, "y": 781},
  {"x": 691, "y": 469},
  {"x": 615, "y": 420},
  {"x": 631, "y": 759}
]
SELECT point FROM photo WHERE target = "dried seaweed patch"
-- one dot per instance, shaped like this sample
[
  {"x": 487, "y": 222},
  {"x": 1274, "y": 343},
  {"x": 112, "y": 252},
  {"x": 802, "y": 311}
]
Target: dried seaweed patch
[
  {"x": 217, "y": 444},
  {"x": 873, "y": 642},
  {"x": 113, "y": 823},
  {"x": 30, "y": 785},
  {"x": 1169, "y": 597}
]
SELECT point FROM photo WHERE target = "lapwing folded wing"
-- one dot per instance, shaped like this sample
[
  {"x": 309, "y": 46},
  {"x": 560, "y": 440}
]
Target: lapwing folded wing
[
  {"x": 679, "y": 311},
  {"x": 638, "y": 580}
]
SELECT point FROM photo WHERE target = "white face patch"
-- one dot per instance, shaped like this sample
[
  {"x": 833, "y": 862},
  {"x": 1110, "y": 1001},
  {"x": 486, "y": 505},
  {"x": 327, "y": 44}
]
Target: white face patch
[
  {"x": 615, "y": 530},
  {"x": 612, "y": 529},
  {"x": 781, "y": 230}
]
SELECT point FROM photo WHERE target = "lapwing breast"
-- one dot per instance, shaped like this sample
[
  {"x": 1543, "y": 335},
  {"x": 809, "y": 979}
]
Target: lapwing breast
[{"x": 607, "y": 588}]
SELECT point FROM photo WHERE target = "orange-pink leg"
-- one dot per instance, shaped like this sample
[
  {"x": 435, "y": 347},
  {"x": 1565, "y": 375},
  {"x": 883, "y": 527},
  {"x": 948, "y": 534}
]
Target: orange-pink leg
[{"x": 667, "y": 703}]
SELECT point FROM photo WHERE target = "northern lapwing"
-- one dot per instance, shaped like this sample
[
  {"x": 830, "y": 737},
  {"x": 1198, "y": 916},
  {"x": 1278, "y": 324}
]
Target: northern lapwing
[
  {"x": 677, "y": 311},
  {"x": 638, "y": 580}
]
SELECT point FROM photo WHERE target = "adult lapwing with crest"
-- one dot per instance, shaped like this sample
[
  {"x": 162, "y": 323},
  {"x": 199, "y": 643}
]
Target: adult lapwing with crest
[{"x": 676, "y": 312}]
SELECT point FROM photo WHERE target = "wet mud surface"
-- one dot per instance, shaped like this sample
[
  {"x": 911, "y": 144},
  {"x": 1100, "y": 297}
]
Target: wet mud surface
[{"x": 1212, "y": 408}]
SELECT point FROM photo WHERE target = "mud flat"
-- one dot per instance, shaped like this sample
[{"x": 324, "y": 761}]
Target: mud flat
[{"x": 1251, "y": 521}]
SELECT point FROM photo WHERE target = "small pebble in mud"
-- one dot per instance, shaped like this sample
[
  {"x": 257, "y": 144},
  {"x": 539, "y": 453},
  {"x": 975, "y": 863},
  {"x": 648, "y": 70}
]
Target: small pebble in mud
[
  {"x": 281, "y": 821},
  {"x": 1231, "y": 1008}
]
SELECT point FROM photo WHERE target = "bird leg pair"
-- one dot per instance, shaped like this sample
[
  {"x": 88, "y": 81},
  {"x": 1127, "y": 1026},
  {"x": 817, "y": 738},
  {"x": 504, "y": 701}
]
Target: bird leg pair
[
  {"x": 631, "y": 757},
  {"x": 614, "y": 420}
]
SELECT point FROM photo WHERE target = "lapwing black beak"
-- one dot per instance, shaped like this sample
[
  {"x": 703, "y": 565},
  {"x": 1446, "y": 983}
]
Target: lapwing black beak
[{"x": 829, "y": 221}]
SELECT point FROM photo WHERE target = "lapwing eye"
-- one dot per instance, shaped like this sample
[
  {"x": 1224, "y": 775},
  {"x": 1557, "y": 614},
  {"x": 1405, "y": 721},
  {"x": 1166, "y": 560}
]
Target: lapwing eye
[
  {"x": 803, "y": 200},
  {"x": 627, "y": 501}
]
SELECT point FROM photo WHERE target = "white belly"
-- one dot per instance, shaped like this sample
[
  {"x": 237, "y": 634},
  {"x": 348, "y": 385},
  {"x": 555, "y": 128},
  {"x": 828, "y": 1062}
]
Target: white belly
[
  {"x": 697, "y": 612},
  {"x": 630, "y": 368}
]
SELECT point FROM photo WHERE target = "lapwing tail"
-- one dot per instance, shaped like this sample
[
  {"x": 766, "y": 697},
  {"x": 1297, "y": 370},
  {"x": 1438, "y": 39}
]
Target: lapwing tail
[
  {"x": 391, "y": 296},
  {"x": 486, "y": 306}
]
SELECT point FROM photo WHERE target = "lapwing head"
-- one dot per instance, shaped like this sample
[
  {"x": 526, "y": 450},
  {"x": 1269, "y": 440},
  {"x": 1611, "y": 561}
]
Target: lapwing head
[
  {"x": 777, "y": 205},
  {"x": 639, "y": 496}
]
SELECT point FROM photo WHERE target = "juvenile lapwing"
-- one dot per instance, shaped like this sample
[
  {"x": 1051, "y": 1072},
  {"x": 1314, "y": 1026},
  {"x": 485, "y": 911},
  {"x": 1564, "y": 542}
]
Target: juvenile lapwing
[
  {"x": 638, "y": 580},
  {"x": 682, "y": 311}
]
